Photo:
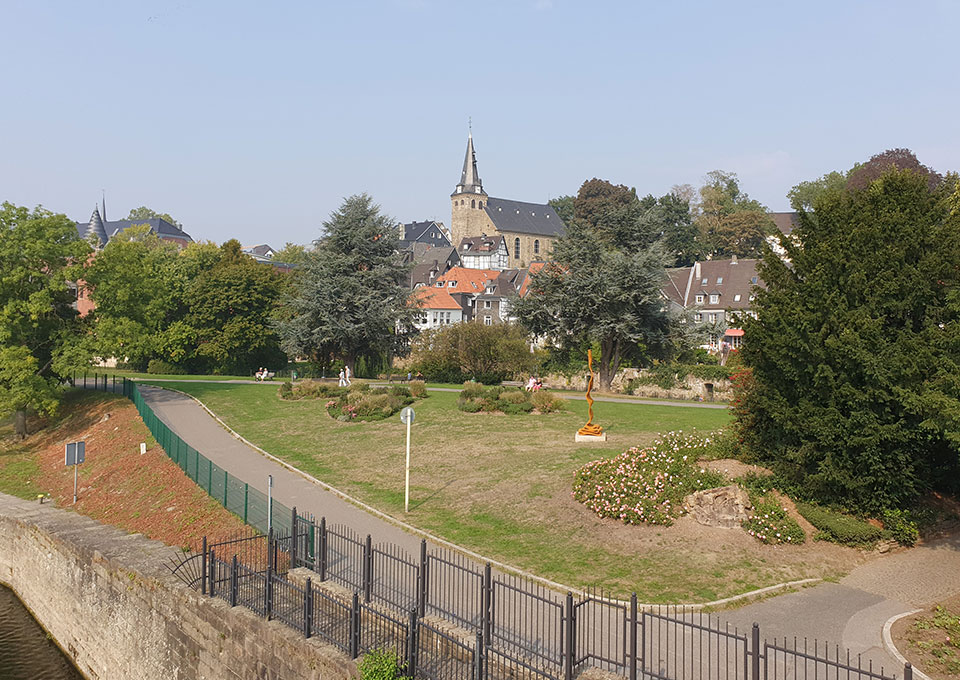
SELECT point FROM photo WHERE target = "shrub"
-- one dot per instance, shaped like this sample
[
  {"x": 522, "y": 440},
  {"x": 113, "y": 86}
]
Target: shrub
[
  {"x": 471, "y": 390},
  {"x": 515, "y": 397},
  {"x": 359, "y": 387},
  {"x": 646, "y": 485},
  {"x": 545, "y": 402},
  {"x": 314, "y": 389},
  {"x": 418, "y": 390},
  {"x": 755, "y": 484},
  {"x": 368, "y": 404},
  {"x": 286, "y": 390},
  {"x": 902, "y": 526},
  {"x": 514, "y": 409},
  {"x": 160, "y": 367},
  {"x": 470, "y": 405},
  {"x": 379, "y": 664},
  {"x": 771, "y": 524},
  {"x": 837, "y": 527},
  {"x": 400, "y": 391}
]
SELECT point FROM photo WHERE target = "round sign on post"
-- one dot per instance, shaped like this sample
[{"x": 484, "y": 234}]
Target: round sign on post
[{"x": 406, "y": 417}]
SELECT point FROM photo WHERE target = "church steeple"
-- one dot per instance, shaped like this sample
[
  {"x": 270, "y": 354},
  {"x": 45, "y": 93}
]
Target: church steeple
[{"x": 470, "y": 182}]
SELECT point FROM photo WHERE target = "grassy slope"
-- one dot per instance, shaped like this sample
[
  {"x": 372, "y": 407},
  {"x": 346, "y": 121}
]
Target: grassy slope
[{"x": 499, "y": 485}]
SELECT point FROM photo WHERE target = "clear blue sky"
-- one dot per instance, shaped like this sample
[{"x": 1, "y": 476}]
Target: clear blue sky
[{"x": 254, "y": 119}]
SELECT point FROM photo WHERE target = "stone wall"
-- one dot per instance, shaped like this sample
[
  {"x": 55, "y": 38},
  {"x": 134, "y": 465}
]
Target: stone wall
[
  {"x": 693, "y": 388},
  {"x": 109, "y": 601}
]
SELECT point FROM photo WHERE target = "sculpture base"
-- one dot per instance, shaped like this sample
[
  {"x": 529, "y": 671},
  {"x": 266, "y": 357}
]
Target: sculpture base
[{"x": 590, "y": 437}]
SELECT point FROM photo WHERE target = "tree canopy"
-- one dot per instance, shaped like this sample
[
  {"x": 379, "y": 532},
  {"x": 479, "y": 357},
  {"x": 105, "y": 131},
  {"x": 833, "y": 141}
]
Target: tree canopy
[
  {"x": 40, "y": 253},
  {"x": 729, "y": 221},
  {"x": 145, "y": 213},
  {"x": 853, "y": 389},
  {"x": 351, "y": 296},
  {"x": 604, "y": 283}
]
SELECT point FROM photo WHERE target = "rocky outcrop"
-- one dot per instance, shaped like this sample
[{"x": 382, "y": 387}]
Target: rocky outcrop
[{"x": 725, "y": 507}]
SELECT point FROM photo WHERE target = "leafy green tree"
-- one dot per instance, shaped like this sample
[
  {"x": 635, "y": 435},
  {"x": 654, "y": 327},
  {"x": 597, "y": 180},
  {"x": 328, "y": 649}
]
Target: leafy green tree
[
  {"x": 680, "y": 236},
  {"x": 853, "y": 389},
  {"x": 805, "y": 194},
  {"x": 292, "y": 253},
  {"x": 604, "y": 284},
  {"x": 862, "y": 175},
  {"x": 488, "y": 354},
  {"x": 145, "y": 213},
  {"x": 39, "y": 256},
  {"x": 230, "y": 317},
  {"x": 138, "y": 289},
  {"x": 351, "y": 297},
  {"x": 730, "y": 222}
]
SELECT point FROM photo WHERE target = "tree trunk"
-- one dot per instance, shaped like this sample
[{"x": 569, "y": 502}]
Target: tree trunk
[
  {"x": 350, "y": 361},
  {"x": 609, "y": 363},
  {"x": 20, "y": 423}
]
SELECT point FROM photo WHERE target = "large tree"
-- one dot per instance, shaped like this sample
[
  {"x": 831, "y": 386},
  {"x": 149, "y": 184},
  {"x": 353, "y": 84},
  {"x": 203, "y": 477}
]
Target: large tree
[
  {"x": 40, "y": 254},
  {"x": 604, "y": 283},
  {"x": 230, "y": 318},
  {"x": 730, "y": 222},
  {"x": 854, "y": 389},
  {"x": 351, "y": 297},
  {"x": 679, "y": 235}
]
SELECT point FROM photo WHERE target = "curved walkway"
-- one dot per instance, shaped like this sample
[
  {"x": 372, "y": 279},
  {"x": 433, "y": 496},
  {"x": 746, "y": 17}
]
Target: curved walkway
[{"x": 851, "y": 612}]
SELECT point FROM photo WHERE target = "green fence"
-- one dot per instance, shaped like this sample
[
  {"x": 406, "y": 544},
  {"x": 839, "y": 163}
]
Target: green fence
[{"x": 236, "y": 495}]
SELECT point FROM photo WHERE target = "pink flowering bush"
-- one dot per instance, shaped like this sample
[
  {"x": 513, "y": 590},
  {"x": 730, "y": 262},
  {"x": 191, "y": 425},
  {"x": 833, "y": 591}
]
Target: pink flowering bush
[
  {"x": 646, "y": 485},
  {"x": 771, "y": 524}
]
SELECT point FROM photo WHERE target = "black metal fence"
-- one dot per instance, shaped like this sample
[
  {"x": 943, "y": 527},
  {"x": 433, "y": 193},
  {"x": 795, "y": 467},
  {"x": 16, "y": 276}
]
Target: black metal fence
[{"x": 448, "y": 616}]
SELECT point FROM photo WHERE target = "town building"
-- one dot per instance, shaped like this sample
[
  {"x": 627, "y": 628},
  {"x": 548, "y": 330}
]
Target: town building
[
  {"x": 429, "y": 232},
  {"x": 484, "y": 252},
  {"x": 530, "y": 230},
  {"x": 718, "y": 293}
]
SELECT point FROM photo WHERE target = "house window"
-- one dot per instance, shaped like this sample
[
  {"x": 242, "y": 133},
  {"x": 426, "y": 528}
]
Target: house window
[
  {"x": 711, "y": 318},
  {"x": 536, "y": 247},
  {"x": 714, "y": 299},
  {"x": 487, "y": 321},
  {"x": 473, "y": 203},
  {"x": 439, "y": 284},
  {"x": 452, "y": 284},
  {"x": 481, "y": 205},
  {"x": 719, "y": 280},
  {"x": 699, "y": 299},
  {"x": 516, "y": 248},
  {"x": 698, "y": 317},
  {"x": 704, "y": 282},
  {"x": 486, "y": 304},
  {"x": 753, "y": 280},
  {"x": 736, "y": 298}
]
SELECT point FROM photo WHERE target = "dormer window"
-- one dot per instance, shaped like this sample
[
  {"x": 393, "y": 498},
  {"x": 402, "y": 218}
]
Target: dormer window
[
  {"x": 699, "y": 299},
  {"x": 736, "y": 298},
  {"x": 704, "y": 282},
  {"x": 714, "y": 298},
  {"x": 452, "y": 284},
  {"x": 719, "y": 280},
  {"x": 439, "y": 284}
]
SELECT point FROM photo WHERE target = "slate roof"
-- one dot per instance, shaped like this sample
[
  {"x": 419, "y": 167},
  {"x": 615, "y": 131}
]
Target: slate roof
[
  {"x": 524, "y": 218},
  {"x": 107, "y": 230},
  {"x": 726, "y": 278},
  {"x": 481, "y": 244},
  {"x": 470, "y": 182},
  {"x": 785, "y": 221},
  {"x": 262, "y": 250}
]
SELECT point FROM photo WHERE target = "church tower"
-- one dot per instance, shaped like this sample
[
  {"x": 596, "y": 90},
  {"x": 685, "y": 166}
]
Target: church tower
[{"x": 467, "y": 202}]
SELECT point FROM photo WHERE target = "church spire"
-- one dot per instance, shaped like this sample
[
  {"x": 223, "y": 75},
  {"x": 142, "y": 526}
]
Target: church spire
[{"x": 470, "y": 182}]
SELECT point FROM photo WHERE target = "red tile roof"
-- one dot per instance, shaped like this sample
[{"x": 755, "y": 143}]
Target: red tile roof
[{"x": 428, "y": 297}]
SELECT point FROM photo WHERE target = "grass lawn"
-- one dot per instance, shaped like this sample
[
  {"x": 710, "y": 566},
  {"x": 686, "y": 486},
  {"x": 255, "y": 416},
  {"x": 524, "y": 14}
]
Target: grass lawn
[{"x": 501, "y": 485}]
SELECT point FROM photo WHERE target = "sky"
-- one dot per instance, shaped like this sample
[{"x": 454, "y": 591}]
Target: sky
[{"x": 254, "y": 120}]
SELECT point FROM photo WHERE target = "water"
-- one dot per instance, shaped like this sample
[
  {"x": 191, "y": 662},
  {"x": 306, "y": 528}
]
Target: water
[{"x": 25, "y": 651}]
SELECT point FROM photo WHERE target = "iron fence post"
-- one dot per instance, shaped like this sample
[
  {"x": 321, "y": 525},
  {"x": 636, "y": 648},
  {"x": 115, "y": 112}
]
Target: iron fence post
[
  {"x": 308, "y": 609},
  {"x": 293, "y": 537},
  {"x": 268, "y": 593},
  {"x": 213, "y": 573},
  {"x": 203, "y": 567},
  {"x": 323, "y": 548},
  {"x": 633, "y": 636},
  {"x": 411, "y": 670},
  {"x": 422, "y": 583},
  {"x": 907, "y": 671},
  {"x": 485, "y": 605},
  {"x": 355, "y": 626},
  {"x": 234, "y": 583},
  {"x": 755, "y": 659},
  {"x": 367, "y": 569},
  {"x": 478, "y": 658},
  {"x": 226, "y": 483},
  {"x": 246, "y": 500},
  {"x": 568, "y": 656}
]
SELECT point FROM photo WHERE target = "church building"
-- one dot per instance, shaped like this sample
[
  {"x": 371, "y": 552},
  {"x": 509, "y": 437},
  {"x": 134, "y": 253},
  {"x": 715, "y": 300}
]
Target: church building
[{"x": 529, "y": 229}]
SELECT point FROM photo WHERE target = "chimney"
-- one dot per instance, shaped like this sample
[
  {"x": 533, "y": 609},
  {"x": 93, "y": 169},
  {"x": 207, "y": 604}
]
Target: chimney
[
  {"x": 696, "y": 270},
  {"x": 733, "y": 259}
]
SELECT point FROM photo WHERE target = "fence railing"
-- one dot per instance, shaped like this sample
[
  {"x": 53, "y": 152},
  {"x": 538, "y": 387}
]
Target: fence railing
[{"x": 448, "y": 616}]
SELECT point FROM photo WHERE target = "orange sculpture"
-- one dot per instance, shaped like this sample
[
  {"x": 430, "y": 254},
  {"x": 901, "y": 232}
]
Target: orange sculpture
[{"x": 591, "y": 429}]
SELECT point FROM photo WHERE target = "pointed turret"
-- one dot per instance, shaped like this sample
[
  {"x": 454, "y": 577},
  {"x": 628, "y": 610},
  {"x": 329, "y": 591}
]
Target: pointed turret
[
  {"x": 96, "y": 227},
  {"x": 470, "y": 182}
]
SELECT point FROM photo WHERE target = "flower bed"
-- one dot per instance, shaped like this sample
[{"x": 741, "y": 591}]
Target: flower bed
[
  {"x": 358, "y": 402},
  {"x": 476, "y": 398},
  {"x": 646, "y": 485},
  {"x": 771, "y": 524}
]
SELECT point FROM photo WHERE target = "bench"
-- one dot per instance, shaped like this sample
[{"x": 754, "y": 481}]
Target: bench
[{"x": 269, "y": 375}]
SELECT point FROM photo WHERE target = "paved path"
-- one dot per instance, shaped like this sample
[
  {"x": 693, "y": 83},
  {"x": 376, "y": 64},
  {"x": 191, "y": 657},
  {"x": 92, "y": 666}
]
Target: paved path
[{"x": 850, "y": 613}]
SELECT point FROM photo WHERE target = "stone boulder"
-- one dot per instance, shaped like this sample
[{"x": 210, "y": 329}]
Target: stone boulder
[{"x": 725, "y": 507}]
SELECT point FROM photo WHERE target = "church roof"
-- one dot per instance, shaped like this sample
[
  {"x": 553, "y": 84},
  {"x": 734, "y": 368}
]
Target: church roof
[
  {"x": 470, "y": 182},
  {"x": 107, "y": 230},
  {"x": 524, "y": 218}
]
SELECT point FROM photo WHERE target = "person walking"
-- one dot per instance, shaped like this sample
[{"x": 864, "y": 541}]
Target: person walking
[
  {"x": 342, "y": 382},
  {"x": 346, "y": 374}
]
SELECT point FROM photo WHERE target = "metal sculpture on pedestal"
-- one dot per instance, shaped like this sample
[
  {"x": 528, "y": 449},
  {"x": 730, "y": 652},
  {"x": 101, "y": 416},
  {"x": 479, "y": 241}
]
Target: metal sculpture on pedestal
[{"x": 591, "y": 431}]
